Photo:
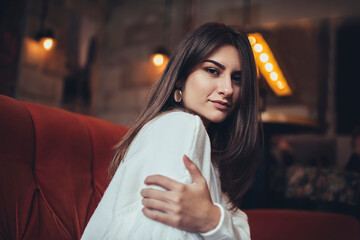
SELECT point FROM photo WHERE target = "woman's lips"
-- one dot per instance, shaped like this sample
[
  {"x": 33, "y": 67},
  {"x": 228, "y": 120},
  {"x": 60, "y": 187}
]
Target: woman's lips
[{"x": 221, "y": 105}]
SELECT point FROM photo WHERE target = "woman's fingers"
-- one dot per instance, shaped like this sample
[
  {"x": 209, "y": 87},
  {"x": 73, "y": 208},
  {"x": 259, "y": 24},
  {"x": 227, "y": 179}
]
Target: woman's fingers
[
  {"x": 158, "y": 205},
  {"x": 166, "y": 213},
  {"x": 167, "y": 219},
  {"x": 184, "y": 206},
  {"x": 163, "y": 181},
  {"x": 166, "y": 196},
  {"x": 154, "y": 215}
]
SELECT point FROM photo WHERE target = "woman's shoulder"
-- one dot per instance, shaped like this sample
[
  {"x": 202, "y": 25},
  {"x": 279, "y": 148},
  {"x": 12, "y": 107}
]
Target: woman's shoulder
[
  {"x": 177, "y": 118},
  {"x": 178, "y": 114},
  {"x": 175, "y": 131},
  {"x": 176, "y": 124}
]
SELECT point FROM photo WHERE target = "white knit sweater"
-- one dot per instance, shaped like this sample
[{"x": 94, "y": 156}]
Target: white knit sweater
[{"x": 158, "y": 149}]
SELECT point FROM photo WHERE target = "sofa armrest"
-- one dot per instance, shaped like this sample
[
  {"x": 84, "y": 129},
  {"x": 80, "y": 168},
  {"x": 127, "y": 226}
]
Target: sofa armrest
[{"x": 294, "y": 224}]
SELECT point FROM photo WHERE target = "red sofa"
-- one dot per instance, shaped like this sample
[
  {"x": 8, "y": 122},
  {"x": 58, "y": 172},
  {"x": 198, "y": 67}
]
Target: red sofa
[
  {"x": 53, "y": 172},
  {"x": 53, "y": 169}
]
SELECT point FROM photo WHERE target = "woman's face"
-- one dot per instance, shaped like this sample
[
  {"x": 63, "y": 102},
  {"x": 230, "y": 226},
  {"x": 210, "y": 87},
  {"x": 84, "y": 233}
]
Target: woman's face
[{"x": 213, "y": 87}]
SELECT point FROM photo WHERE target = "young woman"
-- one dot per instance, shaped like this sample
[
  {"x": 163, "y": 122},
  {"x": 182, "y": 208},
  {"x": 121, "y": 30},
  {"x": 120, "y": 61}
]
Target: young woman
[{"x": 203, "y": 108}]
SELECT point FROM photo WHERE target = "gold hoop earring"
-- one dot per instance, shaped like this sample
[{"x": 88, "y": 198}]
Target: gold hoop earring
[{"x": 177, "y": 95}]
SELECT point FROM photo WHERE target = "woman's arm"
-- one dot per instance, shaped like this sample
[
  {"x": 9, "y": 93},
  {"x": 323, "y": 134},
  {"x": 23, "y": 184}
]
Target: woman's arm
[
  {"x": 184, "y": 206},
  {"x": 189, "y": 207}
]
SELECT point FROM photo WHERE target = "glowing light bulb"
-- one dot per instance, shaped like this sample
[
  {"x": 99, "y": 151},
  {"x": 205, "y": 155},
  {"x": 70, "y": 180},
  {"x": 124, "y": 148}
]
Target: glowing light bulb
[
  {"x": 273, "y": 76},
  {"x": 280, "y": 85},
  {"x": 258, "y": 47},
  {"x": 264, "y": 57},
  {"x": 252, "y": 40},
  {"x": 269, "y": 67},
  {"x": 158, "y": 59},
  {"x": 48, "y": 43}
]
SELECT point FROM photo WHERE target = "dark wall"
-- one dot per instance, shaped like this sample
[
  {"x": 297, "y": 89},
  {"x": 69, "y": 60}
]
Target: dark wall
[
  {"x": 12, "y": 25},
  {"x": 347, "y": 78}
]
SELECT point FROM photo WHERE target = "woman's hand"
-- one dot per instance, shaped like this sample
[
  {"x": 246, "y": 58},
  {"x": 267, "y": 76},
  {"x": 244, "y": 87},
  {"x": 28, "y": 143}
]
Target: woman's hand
[{"x": 184, "y": 206}]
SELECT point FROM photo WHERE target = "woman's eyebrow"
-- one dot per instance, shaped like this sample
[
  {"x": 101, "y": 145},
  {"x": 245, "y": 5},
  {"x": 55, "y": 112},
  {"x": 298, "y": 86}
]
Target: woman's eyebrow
[{"x": 216, "y": 63}]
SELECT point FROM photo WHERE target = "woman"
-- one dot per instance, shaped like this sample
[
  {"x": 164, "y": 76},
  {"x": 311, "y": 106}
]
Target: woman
[{"x": 204, "y": 107}]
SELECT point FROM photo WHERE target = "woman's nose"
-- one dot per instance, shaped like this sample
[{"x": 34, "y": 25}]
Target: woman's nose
[{"x": 225, "y": 86}]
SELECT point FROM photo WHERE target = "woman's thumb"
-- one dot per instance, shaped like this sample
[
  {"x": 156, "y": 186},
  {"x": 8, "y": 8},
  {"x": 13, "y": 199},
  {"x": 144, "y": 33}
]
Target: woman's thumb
[{"x": 193, "y": 170}]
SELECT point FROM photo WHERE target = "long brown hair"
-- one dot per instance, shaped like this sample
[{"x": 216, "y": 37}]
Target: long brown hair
[{"x": 235, "y": 141}]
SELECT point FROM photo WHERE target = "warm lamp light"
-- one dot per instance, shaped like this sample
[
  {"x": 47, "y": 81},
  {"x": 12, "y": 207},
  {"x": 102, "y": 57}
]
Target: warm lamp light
[
  {"x": 160, "y": 58},
  {"x": 258, "y": 48},
  {"x": 273, "y": 76},
  {"x": 45, "y": 36},
  {"x": 47, "y": 43},
  {"x": 280, "y": 85},
  {"x": 252, "y": 40},
  {"x": 264, "y": 57},
  {"x": 268, "y": 66},
  {"x": 46, "y": 39}
]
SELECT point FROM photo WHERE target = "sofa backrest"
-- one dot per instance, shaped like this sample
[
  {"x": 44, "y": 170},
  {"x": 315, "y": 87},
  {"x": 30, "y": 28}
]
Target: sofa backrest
[{"x": 53, "y": 169}]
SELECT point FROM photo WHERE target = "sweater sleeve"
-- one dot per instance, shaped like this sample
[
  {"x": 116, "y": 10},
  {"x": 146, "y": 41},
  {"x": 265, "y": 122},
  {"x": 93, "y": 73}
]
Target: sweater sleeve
[
  {"x": 157, "y": 149},
  {"x": 161, "y": 144},
  {"x": 232, "y": 225}
]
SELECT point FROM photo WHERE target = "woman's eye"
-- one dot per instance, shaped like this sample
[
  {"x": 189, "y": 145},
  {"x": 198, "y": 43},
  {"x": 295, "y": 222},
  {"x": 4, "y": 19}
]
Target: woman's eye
[
  {"x": 236, "y": 78},
  {"x": 212, "y": 71}
]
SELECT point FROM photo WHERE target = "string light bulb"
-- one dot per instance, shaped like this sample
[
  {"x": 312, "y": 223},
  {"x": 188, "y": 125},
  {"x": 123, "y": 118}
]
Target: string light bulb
[
  {"x": 264, "y": 57},
  {"x": 268, "y": 66},
  {"x": 252, "y": 40},
  {"x": 258, "y": 47},
  {"x": 280, "y": 85},
  {"x": 274, "y": 76}
]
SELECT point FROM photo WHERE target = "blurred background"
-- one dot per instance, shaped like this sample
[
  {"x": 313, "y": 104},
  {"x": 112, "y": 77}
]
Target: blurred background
[{"x": 96, "y": 57}]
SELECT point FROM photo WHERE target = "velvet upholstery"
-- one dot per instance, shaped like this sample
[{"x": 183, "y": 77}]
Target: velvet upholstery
[
  {"x": 53, "y": 169},
  {"x": 53, "y": 172},
  {"x": 301, "y": 225}
]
